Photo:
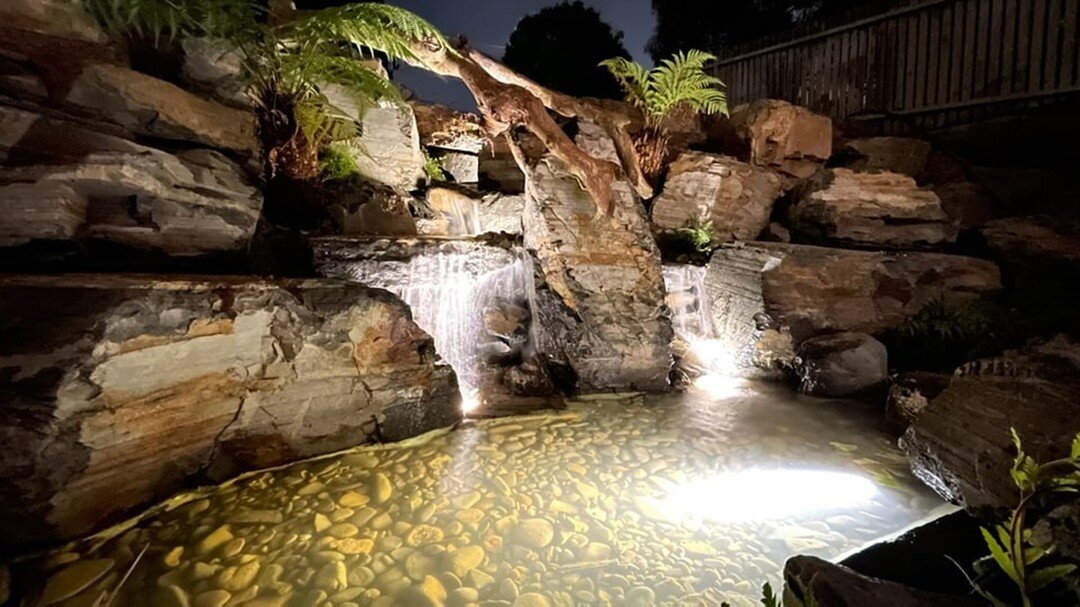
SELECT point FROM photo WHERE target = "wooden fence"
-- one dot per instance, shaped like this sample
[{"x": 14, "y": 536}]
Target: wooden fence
[{"x": 932, "y": 64}]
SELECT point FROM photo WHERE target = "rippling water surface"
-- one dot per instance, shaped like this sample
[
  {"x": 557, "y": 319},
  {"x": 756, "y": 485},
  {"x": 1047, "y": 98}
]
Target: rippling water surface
[{"x": 688, "y": 499}]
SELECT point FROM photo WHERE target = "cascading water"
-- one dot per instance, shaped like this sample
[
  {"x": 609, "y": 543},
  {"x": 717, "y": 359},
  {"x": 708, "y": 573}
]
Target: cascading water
[
  {"x": 704, "y": 352},
  {"x": 448, "y": 285}
]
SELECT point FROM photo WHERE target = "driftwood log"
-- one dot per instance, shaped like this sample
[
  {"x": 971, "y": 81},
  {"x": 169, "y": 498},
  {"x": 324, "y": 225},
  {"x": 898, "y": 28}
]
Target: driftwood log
[{"x": 507, "y": 101}]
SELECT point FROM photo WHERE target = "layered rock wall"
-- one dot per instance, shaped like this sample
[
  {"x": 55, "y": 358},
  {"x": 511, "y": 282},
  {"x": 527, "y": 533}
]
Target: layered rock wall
[{"x": 118, "y": 390}]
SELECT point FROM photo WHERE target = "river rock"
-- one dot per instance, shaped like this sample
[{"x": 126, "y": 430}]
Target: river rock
[
  {"x": 879, "y": 210},
  {"x": 893, "y": 154},
  {"x": 776, "y": 134},
  {"x": 961, "y": 446},
  {"x": 193, "y": 203},
  {"x": 735, "y": 196},
  {"x": 599, "y": 288},
  {"x": 841, "y": 364},
  {"x": 193, "y": 378}
]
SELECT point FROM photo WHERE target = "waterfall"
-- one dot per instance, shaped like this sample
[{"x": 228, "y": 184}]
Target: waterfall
[
  {"x": 463, "y": 217},
  {"x": 448, "y": 285},
  {"x": 702, "y": 351}
]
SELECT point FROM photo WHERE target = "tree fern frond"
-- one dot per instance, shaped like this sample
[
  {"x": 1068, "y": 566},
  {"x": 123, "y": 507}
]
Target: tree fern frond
[
  {"x": 680, "y": 80},
  {"x": 367, "y": 25},
  {"x": 154, "y": 19}
]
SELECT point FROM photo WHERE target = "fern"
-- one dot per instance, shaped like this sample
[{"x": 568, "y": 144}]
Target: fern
[
  {"x": 169, "y": 19},
  {"x": 676, "y": 82}
]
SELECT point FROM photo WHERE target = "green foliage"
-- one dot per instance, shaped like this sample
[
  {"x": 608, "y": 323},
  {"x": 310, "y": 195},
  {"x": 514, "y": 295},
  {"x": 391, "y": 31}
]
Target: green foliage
[
  {"x": 768, "y": 597},
  {"x": 433, "y": 167},
  {"x": 337, "y": 163},
  {"x": 950, "y": 320},
  {"x": 945, "y": 334},
  {"x": 699, "y": 234},
  {"x": 307, "y": 72},
  {"x": 1010, "y": 543},
  {"x": 680, "y": 81}
]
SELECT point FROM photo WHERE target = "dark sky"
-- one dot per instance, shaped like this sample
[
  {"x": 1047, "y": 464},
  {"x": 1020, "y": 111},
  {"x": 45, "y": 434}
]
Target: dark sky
[{"x": 488, "y": 23}]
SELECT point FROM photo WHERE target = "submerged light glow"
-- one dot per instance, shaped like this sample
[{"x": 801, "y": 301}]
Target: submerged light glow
[{"x": 762, "y": 494}]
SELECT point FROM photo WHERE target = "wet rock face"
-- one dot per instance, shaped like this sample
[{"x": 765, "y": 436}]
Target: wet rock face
[
  {"x": 841, "y": 364},
  {"x": 781, "y": 136},
  {"x": 878, "y": 210},
  {"x": 813, "y": 290},
  {"x": 909, "y": 394},
  {"x": 599, "y": 288},
  {"x": 119, "y": 390},
  {"x": 737, "y": 197},
  {"x": 960, "y": 445}
]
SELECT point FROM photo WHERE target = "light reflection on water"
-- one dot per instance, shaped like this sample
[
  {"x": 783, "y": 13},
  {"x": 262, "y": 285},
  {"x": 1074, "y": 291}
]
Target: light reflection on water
[{"x": 681, "y": 499}]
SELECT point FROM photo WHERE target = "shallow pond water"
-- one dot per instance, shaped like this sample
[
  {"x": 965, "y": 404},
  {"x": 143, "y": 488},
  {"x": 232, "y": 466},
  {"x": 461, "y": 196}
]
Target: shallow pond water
[{"x": 687, "y": 499}]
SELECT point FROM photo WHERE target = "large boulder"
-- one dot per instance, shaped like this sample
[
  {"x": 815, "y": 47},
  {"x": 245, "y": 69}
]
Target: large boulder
[
  {"x": 964, "y": 197},
  {"x": 191, "y": 203},
  {"x": 153, "y": 107},
  {"x": 841, "y": 364},
  {"x": 599, "y": 299},
  {"x": 445, "y": 128},
  {"x": 893, "y": 154},
  {"x": 879, "y": 210},
  {"x": 40, "y": 212},
  {"x": 776, "y": 134},
  {"x": 961, "y": 446},
  {"x": 389, "y": 146},
  {"x": 215, "y": 67},
  {"x": 735, "y": 196},
  {"x": 810, "y": 581},
  {"x": 811, "y": 290},
  {"x": 120, "y": 390},
  {"x": 53, "y": 18},
  {"x": 499, "y": 171}
]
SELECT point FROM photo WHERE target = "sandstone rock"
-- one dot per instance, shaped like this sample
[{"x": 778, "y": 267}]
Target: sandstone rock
[
  {"x": 592, "y": 138},
  {"x": 841, "y": 364},
  {"x": 501, "y": 213},
  {"x": 123, "y": 389},
  {"x": 195, "y": 202},
  {"x": 56, "y": 18},
  {"x": 370, "y": 209},
  {"x": 464, "y": 212},
  {"x": 737, "y": 197},
  {"x": 1034, "y": 239},
  {"x": 812, "y": 290},
  {"x": 781, "y": 136},
  {"x": 599, "y": 300},
  {"x": 831, "y": 584},
  {"x": 390, "y": 147},
  {"x": 153, "y": 107},
  {"x": 893, "y": 154},
  {"x": 40, "y": 211},
  {"x": 909, "y": 394},
  {"x": 448, "y": 129},
  {"x": 960, "y": 445},
  {"x": 214, "y": 66},
  {"x": 839, "y": 206},
  {"x": 963, "y": 197},
  {"x": 463, "y": 167}
]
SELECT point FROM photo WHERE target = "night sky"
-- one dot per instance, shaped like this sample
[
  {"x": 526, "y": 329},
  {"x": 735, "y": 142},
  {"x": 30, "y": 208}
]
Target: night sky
[{"x": 488, "y": 23}]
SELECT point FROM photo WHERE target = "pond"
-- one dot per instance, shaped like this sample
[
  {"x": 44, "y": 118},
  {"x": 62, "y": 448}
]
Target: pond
[{"x": 685, "y": 499}]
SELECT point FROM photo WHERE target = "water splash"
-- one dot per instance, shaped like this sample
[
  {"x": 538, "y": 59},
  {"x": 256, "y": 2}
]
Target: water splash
[
  {"x": 706, "y": 353},
  {"x": 447, "y": 284}
]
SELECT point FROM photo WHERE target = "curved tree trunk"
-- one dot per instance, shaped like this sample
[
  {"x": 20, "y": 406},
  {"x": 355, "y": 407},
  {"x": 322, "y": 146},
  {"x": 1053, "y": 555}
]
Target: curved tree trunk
[{"x": 508, "y": 100}]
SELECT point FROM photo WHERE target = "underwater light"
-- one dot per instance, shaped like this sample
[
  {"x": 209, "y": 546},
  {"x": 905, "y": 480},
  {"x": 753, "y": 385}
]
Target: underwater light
[
  {"x": 470, "y": 401},
  {"x": 756, "y": 494},
  {"x": 719, "y": 386}
]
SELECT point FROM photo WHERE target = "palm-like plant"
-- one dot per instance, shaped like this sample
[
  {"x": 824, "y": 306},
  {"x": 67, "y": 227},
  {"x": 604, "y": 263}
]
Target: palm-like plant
[
  {"x": 289, "y": 68},
  {"x": 679, "y": 83}
]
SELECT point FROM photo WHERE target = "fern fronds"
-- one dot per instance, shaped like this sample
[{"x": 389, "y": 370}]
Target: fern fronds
[
  {"x": 169, "y": 19},
  {"x": 679, "y": 81},
  {"x": 367, "y": 26}
]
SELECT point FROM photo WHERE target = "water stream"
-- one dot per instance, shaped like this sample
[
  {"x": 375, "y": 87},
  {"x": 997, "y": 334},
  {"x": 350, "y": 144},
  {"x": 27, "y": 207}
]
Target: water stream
[{"x": 685, "y": 499}]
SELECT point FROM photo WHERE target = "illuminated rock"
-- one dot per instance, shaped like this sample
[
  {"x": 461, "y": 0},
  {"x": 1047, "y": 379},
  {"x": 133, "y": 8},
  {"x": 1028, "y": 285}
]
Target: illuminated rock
[
  {"x": 875, "y": 210},
  {"x": 599, "y": 300},
  {"x": 841, "y": 364},
  {"x": 122, "y": 389}
]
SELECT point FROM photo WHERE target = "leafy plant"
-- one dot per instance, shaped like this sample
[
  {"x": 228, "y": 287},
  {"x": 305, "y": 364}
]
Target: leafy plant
[
  {"x": 1010, "y": 543},
  {"x": 678, "y": 83},
  {"x": 337, "y": 163},
  {"x": 306, "y": 76},
  {"x": 699, "y": 234},
  {"x": 433, "y": 167},
  {"x": 945, "y": 334},
  {"x": 769, "y": 598}
]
